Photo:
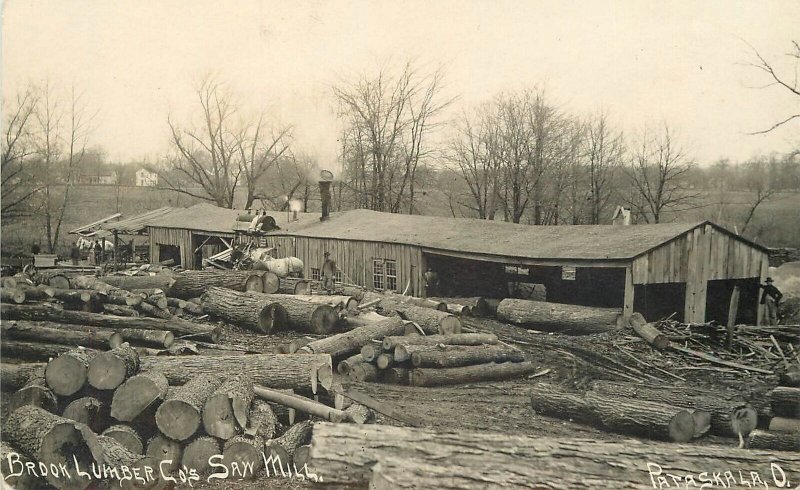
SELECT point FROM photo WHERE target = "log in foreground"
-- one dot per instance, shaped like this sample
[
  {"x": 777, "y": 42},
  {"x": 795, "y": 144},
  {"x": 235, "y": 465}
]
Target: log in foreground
[
  {"x": 273, "y": 370},
  {"x": 553, "y": 401},
  {"x": 431, "y": 321},
  {"x": 730, "y": 415},
  {"x": 470, "y": 374},
  {"x": 259, "y": 315},
  {"x": 138, "y": 394},
  {"x": 51, "y": 439},
  {"x": 192, "y": 284},
  {"x": 783, "y": 424},
  {"x": 786, "y": 401},
  {"x": 35, "y": 392},
  {"x": 67, "y": 373},
  {"x": 302, "y": 316},
  {"x": 346, "y": 454},
  {"x": 557, "y": 317},
  {"x": 197, "y": 453},
  {"x": 107, "y": 370},
  {"x": 90, "y": 411},
  {"x": 643, "y": 418},
  {"x": 164, "y": 449},
  {"x": 348, "y": 343},
  {"x": 14, "y": 479},
  {"x": 127, "y": 436},
  {"x": 774, "y": 441},
  {"x": 182, "y": 327},
  {"x": 226, "y": 410},
  {"x": 285, "y": 446},
  {"x": 179, "y": 416},
  {"x": 100, "y": 338}
]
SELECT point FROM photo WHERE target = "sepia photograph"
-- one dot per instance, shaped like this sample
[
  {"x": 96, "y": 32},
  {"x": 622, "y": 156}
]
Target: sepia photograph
[{"x": 445, "y": 244}]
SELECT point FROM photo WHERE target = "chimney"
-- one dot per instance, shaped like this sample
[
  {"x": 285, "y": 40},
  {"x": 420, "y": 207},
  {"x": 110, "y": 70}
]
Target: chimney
[
  {"x": 621, "y": 216},
  {"x": 325, "y": 181}
]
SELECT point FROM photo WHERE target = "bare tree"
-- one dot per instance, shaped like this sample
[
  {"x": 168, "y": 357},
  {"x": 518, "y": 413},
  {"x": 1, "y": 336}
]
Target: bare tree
[
  {"x": 604, "y": 152},
  {"x": 657, "y": 173},
  {"x": 388, "y": 119},
  {"x": 759, "y": 182},
  {"x": 17, "y": 183},
  {"x": 788, "y": 82},
  {"x": 63, "y": 130},
  {"x": 222, "y": 151}
]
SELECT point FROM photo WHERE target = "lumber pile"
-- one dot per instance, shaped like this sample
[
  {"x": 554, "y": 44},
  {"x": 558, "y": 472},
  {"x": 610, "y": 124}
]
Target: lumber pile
[
  {"x": 112, "y": 407},
  {"x": 399, "y": 457}
]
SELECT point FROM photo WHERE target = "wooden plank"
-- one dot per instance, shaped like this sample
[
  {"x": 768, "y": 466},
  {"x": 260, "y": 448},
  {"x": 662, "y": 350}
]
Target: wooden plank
[
  {"x": 627, "y": 305},
  {"x": 762, "y": 277},
  {"x": 691, "y": 280},
  {"x": 702, "y": 279}
]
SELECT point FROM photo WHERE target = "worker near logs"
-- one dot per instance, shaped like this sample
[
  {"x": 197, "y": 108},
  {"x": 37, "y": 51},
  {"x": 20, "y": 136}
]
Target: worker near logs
[
  {"x": 328, "y": 272},
  {"x": 75, "y": 253},
  {"x": 431, "y": 282},
  {"x": 770, "y": 299}
]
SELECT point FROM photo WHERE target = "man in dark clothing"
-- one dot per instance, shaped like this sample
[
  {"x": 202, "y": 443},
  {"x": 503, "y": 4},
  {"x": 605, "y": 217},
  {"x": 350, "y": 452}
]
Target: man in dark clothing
[
  {"x": 431, "y": 282},
  {"x": 98, "y": 252},
  {"x": 75, "y": 253},
  {"x": 328, "y": 272},
  {"x": 770, "y": 299}
]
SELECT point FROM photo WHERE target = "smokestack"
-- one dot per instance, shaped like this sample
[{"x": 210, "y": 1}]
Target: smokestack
[{"x": 325, "y": 181}]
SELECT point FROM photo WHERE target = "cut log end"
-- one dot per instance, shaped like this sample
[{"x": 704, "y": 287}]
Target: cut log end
[
  {"x": 177, "y": 419},
  {"x": 66, "y": 374},
  {"x": 244, "y": 453},
  {"x": 164, "y": 449},
  {"x": 255, "y": 284},
  {"x": 323, "y": 319},
  {"x": 197, "y": 453}
]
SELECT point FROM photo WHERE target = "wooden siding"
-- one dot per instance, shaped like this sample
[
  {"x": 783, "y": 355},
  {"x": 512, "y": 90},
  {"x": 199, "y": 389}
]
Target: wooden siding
[
  {"x": 723, "y": 257},
  {"x": 354, "y": 259},
  {"x": 172, "y": 236}
]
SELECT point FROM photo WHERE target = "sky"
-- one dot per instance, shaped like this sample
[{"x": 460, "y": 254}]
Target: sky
[{"x": 644, "y": 62}]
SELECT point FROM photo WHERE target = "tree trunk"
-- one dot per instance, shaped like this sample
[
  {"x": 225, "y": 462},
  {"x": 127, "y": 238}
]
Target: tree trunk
[
  {"x": 642, "y": 418},
  {"x": 89, "y": 411},
  {"x": 397, "y": 376},
  {"x": 477, "y": 305},
  {"x": 32, "y": 351},
  {"x": 179, "y": 416},
  {"x": 389, "y": 343},
  {"x": 128, "y": 437},
  {"x": 294, "y": 285},
  {"x": 90, "y": 282},
  {"x": 153, "y": 296},
  {"x": 67, "y": 373},
  {"x": 119, "y": 310},
  {"x": 648, "y": 332},
  {"x": 264, "y": 422},
  {"x": 100, "y": 338},
  {"x": 346, "y": 365},
  {"x": 270, "y": 282},
  {"x": 562, "y": 318},
  {"x": 107, "y": 370},
  {"x": 465, "y": 356},
  {"x": 36, "y": 293},
  {"x": 347, "y": 343},
  {"x": 364, "y": 372},
  {"x": 256, "y": 314},
  {"x": 225, "y": 411},
  {"x": 554, "y": 402},
  {"x": 35, "y": 392},
  {"x": 301, "y": 404},
  {"x": 139, "y": 393},
  {"x": 151, "y": 311},
  {"x": 431, "y": 321},
  {"x": 774, "y": 441},
  {"x": 302, "y": 316},
  {"x": 243, "y": 452},
  {"x": 384, "y": 360},
  {"x": 273, "y": 370},
  {"x": 192, "y": 284},
  {"x": 365, "y": 318},
  {"x": 345, "y": 454},
  {"x": 371, "y": 351},
  {"x": 51, "y": 439},
  {"x": 76, "y": 296},
  {"x": 783, "y": 424},
  {"x": 294, "y": 345},
  {"x": 8, "y": 295},
  {"x": 197, "y": 453},
  {"x": 785, "y": 402},
  {"x": 360, "y": 414},
  {"x": 14, "y": 376},
  {"x": 195, "y": 330},
  {"x": 156, "y": 338},
  {"x": 159, "y": 281},
  {"x": 115, "y": 455},
  {"x": 724, "y": 407},
  {"x": 285, "y": 446},
  {"x": 21, "y": 480},
  {"x": 339, "y": 302},
  {"x": 162, "y": 448},
  {"x": 60, "y": 281},
  {"x": 470, "y": 374},
  {"x": 187, "y": 306}
]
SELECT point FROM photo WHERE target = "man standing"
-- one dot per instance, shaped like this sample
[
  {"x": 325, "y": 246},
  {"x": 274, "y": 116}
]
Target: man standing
[
  {"x": 75, "y": 253},
  {"x": 98, "y": 252},
  {"x": 328, "y": 272},
  {"x": 770, "y": 299},
  {"x": 431, "y": 282}
]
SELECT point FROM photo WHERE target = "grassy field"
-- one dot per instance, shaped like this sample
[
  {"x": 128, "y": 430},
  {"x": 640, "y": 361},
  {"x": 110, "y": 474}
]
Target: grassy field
[{"x": 776, "y": 223}]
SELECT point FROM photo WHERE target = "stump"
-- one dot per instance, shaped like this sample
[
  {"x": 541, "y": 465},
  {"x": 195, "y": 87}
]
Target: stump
[
  {"x": 179, "y": 416},
  {"x": 107, "y": 370},
  {"x": 67, "y": 373},
  {"x": 138, "y": 394}
]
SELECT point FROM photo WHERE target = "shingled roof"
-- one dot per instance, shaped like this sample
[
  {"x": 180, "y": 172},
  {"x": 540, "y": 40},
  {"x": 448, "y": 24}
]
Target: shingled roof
[{"x": 497, "y": 238}]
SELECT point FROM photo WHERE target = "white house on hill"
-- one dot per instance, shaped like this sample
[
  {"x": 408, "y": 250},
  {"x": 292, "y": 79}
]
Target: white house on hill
[{"x": 146, "y": 178}]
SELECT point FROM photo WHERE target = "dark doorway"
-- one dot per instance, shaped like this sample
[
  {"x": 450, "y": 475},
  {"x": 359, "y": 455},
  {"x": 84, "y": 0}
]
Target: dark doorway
[
  {"x": 718, "y": 299},
  {"x": 659, "y": 301},
  {"x": 167, "y": 252}
]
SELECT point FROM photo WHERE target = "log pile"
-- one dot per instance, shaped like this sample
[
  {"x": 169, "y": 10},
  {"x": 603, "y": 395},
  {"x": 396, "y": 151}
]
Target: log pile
[{"x": 783, "y": 433}]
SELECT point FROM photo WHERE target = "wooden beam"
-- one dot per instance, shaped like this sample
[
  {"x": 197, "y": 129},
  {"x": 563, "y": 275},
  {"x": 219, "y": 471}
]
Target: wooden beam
[
  {"x": 627, "y": 305},
  {"x": 733, "y": 310},
  {"x": 529, "y": 261},
  {"x": 691, "y": 279},
  {"x": 761, "y": 279}
]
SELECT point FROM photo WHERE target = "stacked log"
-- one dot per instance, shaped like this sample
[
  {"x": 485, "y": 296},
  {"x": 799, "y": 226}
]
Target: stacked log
[
  {"x": 301, "y": 316},
  {"x": 477, "y": 306},
  {"x": 100, "y": 338},
  {"x": 557, "y": 317},
  {"x": 783, "y": 432},
  {"x": 294, "y": 285},
  {"x": 429, "y": 320},
  {"x": 192, "y": 284},
  {"x": 259, "y": 314}
]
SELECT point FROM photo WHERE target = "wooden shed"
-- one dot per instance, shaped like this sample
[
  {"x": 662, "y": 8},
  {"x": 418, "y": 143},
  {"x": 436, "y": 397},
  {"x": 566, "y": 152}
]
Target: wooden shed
[{"x": 683, "y": 269}]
